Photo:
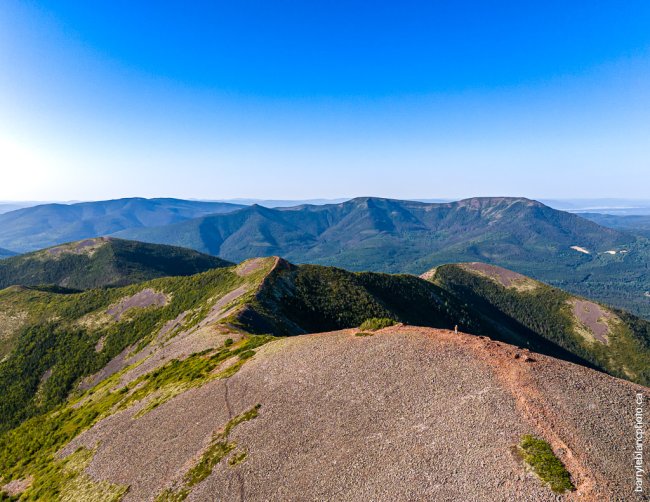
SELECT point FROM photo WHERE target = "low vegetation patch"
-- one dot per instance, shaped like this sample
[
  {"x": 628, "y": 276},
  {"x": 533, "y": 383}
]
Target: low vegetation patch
[
  {"x": 80, "y": 486},
  {"x": 219, "y": 449},
  {"x": 237, "y": 458},
  {"x": 376, "y": 323},
  {"x": 363, "y": 333},
  {"x": 52, "y": 338},
  {"x": 539, "y": 455},
  {"x": 177, "y": 376}
]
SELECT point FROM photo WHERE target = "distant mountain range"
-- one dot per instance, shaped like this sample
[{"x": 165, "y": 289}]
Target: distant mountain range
[
  {"x": 387, "y": 235},
  {"x": 42, "y": 226},
  {"x": 101, "y": 262},
  {"x": 375, "y": 234}
]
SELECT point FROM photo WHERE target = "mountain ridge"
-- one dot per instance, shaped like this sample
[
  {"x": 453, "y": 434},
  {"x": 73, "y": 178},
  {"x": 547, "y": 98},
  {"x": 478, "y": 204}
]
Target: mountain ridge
[
  {"x": 610, "y": 339},
  {"x": 331, "y": 215},
  {"x": 388, "y": 235}
]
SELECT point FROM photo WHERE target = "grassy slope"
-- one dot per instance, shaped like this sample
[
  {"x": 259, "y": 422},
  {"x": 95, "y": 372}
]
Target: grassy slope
[
  {"x": 57, "y": 343},
  {"x": 58, "y": 333},
  {"x": 546, "y": 311},
  {"x": 103, "y": 262}
]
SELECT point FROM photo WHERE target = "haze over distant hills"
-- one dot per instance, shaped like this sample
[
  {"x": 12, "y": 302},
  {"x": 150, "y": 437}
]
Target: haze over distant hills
[
  {"x": 5, "y": 207},
  {"x": 46, "y": 225},
  {"x": 602, "y": 205},
  {"x": 5, "y": 253}
]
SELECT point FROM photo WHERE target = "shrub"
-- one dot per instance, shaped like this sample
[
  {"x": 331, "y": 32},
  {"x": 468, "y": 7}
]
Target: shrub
[
  {"x": 375, "y": 323},
  {"x": 538, "y": 454},
  {"x": 247, "y": 354}
]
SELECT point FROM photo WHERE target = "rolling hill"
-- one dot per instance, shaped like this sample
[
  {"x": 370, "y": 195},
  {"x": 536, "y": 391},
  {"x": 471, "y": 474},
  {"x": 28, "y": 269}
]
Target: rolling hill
[
  {"x": 100, "y": 262},
  {"x": 385, "y": 235},
  {"x": 47, "y": 225},
  {"x": 172, "y": 389}
]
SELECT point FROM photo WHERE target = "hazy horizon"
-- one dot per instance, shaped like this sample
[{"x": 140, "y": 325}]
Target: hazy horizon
[{"x": 558, "y": 203}]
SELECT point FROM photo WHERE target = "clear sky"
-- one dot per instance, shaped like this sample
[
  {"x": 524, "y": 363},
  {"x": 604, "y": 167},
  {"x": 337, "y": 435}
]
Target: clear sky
[{"x": 304, "y": 99}]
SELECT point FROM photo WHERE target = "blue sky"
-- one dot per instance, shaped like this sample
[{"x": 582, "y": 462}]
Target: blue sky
[{"x": 324, "y": 99}]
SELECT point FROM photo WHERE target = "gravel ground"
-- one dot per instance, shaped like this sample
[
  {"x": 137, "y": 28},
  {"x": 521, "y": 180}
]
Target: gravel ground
[
  {"x": 145, "y": 298},
  {"x": 504, "y": 276},
  {"x": 406, "y": 414},
  {"x": 594, "y": 317}
]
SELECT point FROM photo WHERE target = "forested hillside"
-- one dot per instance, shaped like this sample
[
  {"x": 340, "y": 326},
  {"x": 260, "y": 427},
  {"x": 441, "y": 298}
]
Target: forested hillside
[
  {"x": 611, "y": 339},
  {"x": 100, "y": 262}
]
